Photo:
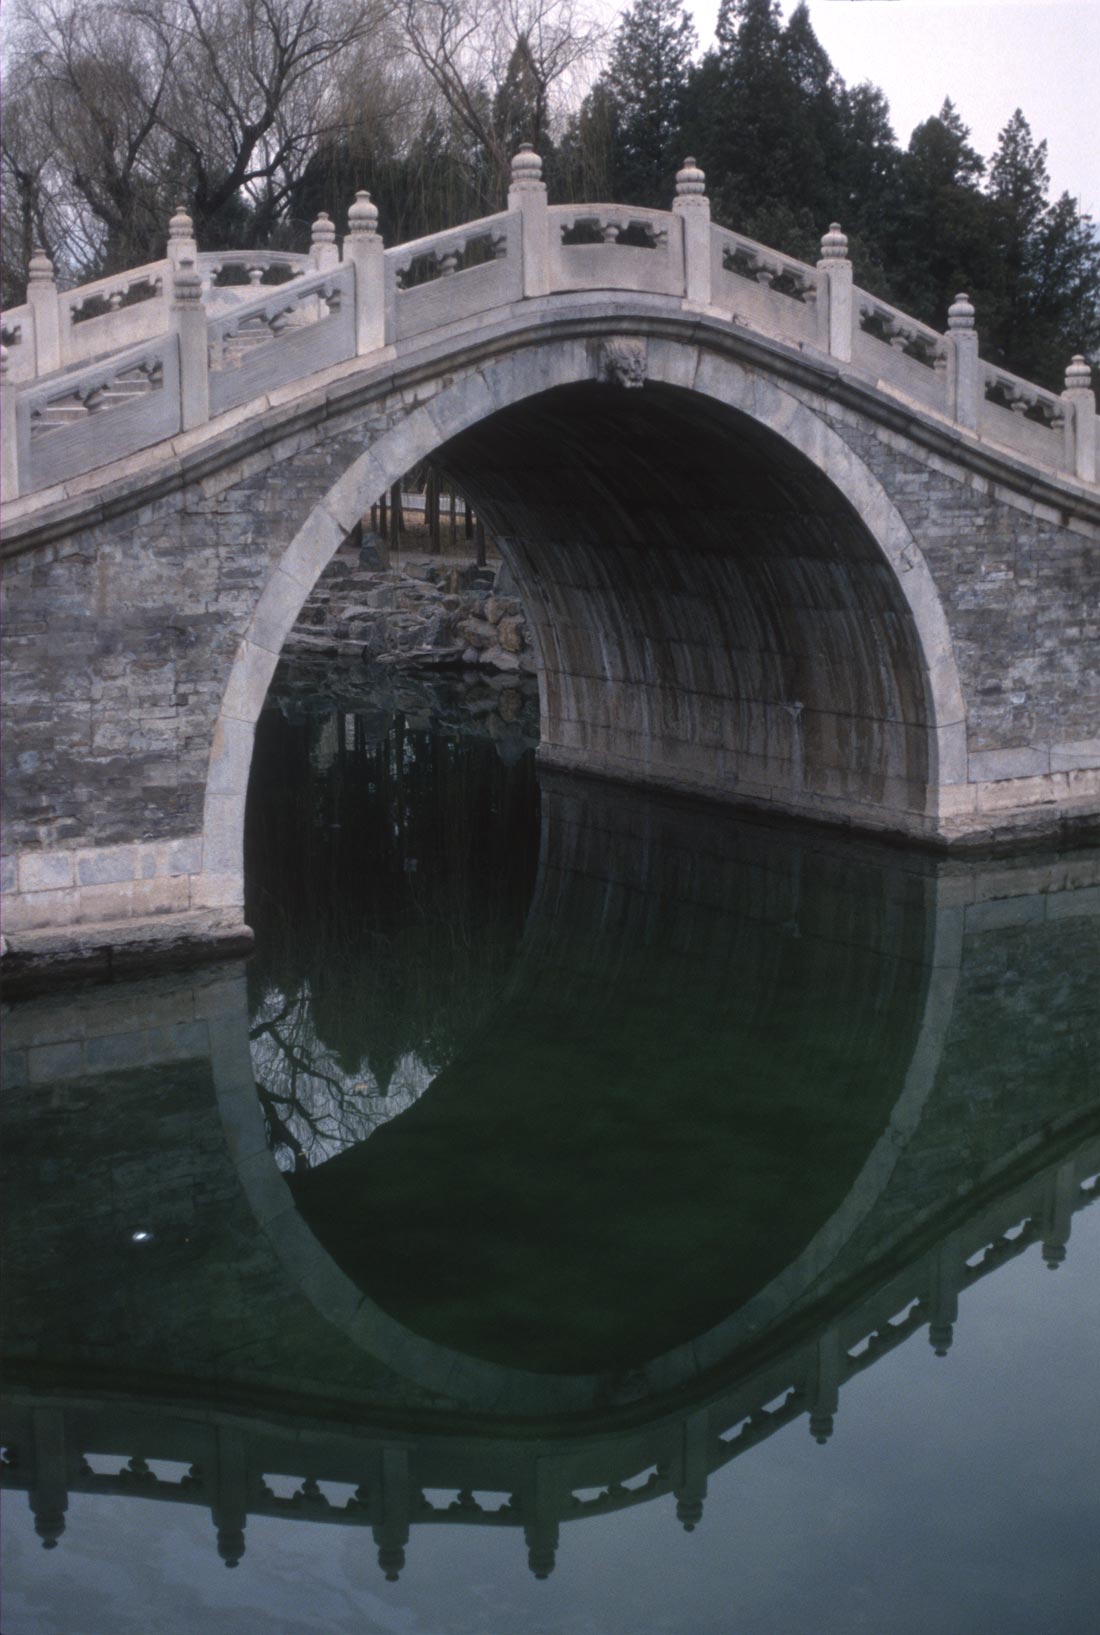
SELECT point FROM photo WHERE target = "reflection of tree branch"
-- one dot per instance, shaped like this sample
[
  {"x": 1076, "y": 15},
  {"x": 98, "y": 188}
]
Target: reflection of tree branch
[
  {"x": 298, "y": 1065},
  {"x": 280, "y": 1133}
]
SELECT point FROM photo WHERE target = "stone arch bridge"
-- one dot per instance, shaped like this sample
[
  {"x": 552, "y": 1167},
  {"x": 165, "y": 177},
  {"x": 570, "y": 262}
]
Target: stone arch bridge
[{"x": 779, "y": 543}]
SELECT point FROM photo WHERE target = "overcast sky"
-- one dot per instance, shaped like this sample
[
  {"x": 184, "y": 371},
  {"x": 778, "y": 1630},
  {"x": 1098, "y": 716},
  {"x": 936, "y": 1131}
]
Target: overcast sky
[{"x": 989, "y": 56}]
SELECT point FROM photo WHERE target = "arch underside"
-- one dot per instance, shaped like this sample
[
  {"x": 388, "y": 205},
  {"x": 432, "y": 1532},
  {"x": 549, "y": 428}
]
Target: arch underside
[{"x": 710, "y": 611}]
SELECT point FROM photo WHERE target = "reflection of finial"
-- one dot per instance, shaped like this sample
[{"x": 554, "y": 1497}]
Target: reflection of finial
[
  {"x": 542, "y": 1547},
  {"x": 940, "y": 1336},
  {"x": 391, "y": 1559},
  {"x": 689, "y": 1513},
  {"x": 821, "y": 1428},
  {"x": 231, "y": 1544},
  {"x": 1054, "y": 1254},
  {"x": 49, "y": 1525}
]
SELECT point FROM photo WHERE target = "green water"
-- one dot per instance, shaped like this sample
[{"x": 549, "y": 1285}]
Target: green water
[{"x": 546, "y": 1229}]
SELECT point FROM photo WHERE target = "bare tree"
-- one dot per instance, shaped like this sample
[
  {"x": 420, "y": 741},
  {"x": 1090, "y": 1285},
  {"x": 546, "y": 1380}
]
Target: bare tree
[
  {"x": 503, "y": 67},
  {"x": 120, "y": 109}
]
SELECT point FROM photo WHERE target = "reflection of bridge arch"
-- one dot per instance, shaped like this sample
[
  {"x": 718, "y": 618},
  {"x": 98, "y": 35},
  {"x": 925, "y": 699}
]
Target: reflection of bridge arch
[
  {"x": 701, "y": 864},
  {"x": 614, "y": 642}
]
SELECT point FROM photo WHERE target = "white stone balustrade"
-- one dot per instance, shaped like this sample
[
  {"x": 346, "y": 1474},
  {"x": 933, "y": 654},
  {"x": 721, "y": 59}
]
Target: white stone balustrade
[{"x": 236, "y": 341}]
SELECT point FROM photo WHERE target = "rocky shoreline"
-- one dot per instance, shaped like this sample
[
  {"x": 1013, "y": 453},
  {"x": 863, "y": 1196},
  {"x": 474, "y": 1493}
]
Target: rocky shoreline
[{"x": 426, "y": 612}]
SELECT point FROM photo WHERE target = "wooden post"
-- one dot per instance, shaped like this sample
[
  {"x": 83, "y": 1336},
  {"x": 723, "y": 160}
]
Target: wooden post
[
  {"x": 397, "y": 520},
  {"x": 468, "y": 518},
  {"x": 480, "y": 543},
  {"x": 432, "y": 497},
  {"x": 454, "y": 524}
]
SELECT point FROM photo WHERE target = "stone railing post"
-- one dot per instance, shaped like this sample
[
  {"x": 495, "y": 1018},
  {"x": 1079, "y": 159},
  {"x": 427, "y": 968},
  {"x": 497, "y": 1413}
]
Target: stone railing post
[
  {"x": 964, "y": 372},
  {"x": 364, "y": 248},
  {"x": 323, "y": 253},
  {"x": 43, "y": 302},
  {"x": 1080, "y": 421},
  {"x": 693, "y": 207},
  {"x": 181, "y": 247},
  {"x": 527, "y": 194},
  {"x": 835, "y": 306},
  {"x": 9, "y": 433},
  {"x": 189, "y": 323}
]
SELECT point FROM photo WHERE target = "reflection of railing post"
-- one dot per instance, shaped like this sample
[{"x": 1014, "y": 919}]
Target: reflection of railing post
[
  {"x": 527, "y": 194},
  {"x": 189, "y": 322},
  {"x": 229, "y": 1494},
  {"x": 9, "y": 434},
  {"x": 394, "y": 1508},
  {"x": 693, "y": 207},
  {"x": 964, "y": 388},
  {"x": 943, "y": 1295},
  {"x": 691, "y": 1469},
  {"x": 1080, "y": 421},
  {"x": 364, "y": 248},
  {"x": 49, "y": 1491},
  {"x": 835, "y": 307},
  {"x": 43, "y": 302},
  {"x": 540, "y": 1519},
  {"x": 1059, "y": 1193},
  {"x": 823, "y": 1387}
]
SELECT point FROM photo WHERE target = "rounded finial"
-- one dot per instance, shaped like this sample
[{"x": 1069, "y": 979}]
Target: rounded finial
[
  {"x": 231, "y": 1545},
  {"x": 690, "y": 179},
  {"x": 960, "y": 314},
  {"x": 1078, "y": 375},
  {"x": 1054, "y": 1254},
  {"x": 181, "y": 225},
  {"x": 834, "y": 243},
  {"x": 526, "y": 165},
  {"x": 363, "y": 215},
  {"x": 40, "y": 267},
  {"x": 324, "y": 229},
  {"x": 187, "y": 284}
]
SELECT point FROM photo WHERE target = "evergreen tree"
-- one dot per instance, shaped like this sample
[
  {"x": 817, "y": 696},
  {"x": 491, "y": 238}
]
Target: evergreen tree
[{"x": 648, "y": 78}]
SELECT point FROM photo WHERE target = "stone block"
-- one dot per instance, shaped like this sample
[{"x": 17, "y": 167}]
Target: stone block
[
  {"x": 117, "y": 1051},
  {"x": 210, "y": 890},
  {"x": 107, "y": 865},
  {"x": 9, "y": 872},
  {"x": 249, "y": 680},
  {"x": 223, "y": 837},
  {"x": 13, "y": 1070},
  {"x": 180, "y": 856},
  {"x": 992, "y": 766},
  {"x": 168, "y": 896},
  {"x": 1081, "y": 755},
  {"x": 45, "y": 871},
  {"x": 104, "y": 903},
  {"x": 37, "y": 911}
]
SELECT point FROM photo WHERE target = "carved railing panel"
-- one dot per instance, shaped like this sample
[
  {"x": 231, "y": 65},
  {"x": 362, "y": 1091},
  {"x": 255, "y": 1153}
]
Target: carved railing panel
[
  {"x": 17, "y": 338},
  {"x": 1019, "y": 415},
  {"x": 614, "y": 246},
  {"x": 91, "y": 416},
  {"x": 113, "y": 313},
  {"x": 763, "y": 289},
  {"x": 281, "y": 337},
  {"x": 454, "y": 275},
  {"x": 900, "y": 350}
]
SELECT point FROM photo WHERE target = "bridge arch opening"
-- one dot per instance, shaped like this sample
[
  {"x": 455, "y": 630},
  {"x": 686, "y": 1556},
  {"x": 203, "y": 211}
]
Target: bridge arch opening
[{"x": 724, "y": 600}]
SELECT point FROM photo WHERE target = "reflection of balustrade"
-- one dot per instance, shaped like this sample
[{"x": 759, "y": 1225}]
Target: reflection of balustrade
[
  {"x": 529, "y": 250},
  {"x": 392, "y": 1483}
]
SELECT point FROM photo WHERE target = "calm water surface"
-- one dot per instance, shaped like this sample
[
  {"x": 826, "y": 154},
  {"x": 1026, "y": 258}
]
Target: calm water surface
[{"x": 584, "y": 1213}]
